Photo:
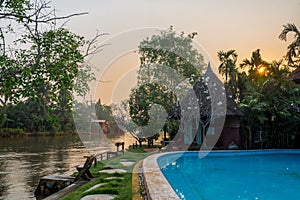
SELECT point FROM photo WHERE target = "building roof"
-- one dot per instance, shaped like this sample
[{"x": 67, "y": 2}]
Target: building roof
[
  {"x": 296, "y": 75},
  {"x": 232, "y": 107}
]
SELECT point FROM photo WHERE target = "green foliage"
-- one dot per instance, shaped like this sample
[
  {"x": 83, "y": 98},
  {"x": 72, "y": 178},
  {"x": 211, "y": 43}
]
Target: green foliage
[
  {"x": 169, "y": 49},
  {"x": 15, "y": 9},
  {"x": 30, "y": 117},
  {"x": 4, "y": 132},
  {"x": 146, "y": 95},
  {"x": 293, "y": 54},
  {"x": 9, "y": 79},
  {"x": 50, "y": 65},
  {"x": 256, "y": 68},
  {"x": 103, "y": 111},
  {"x": 161, "y": 52},
  {"x": 38, "y": 78},
  {"x": 48, "y": 71},
  {"x": 228, "y": 68},
  {"x": 269, "y": 99},
  {"x": 142, "y": 149}
]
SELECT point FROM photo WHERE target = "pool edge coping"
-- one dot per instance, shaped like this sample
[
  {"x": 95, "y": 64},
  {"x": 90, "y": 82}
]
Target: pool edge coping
[{"x": 157, "y": 185}]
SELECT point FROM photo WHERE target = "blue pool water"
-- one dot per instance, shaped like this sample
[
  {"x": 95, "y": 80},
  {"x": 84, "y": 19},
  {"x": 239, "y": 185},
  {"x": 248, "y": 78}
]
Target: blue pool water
[{"x": 250, "y": 175}]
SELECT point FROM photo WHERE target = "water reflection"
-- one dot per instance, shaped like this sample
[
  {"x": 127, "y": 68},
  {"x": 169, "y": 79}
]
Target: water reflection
[{"x": 23, "y": 161}]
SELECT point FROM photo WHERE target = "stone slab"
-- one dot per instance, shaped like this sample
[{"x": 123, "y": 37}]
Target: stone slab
[
  {"x": 99, "y": 197},
  {"x": 110, "y": 178},
  {"x": 127, "y": 163},
  {"x": 111, "y": 171},
  {"x": 95, "y": 186}
]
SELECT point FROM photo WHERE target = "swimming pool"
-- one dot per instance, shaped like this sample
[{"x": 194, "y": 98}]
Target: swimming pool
[{"x": 255, "y": 175}]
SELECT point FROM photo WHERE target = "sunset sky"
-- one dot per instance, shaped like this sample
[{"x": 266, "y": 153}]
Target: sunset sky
[{"x": 243, "y": 25}]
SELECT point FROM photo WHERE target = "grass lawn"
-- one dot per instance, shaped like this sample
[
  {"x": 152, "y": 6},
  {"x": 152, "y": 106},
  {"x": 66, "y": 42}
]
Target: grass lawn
[{"x": 122, "y": 188}]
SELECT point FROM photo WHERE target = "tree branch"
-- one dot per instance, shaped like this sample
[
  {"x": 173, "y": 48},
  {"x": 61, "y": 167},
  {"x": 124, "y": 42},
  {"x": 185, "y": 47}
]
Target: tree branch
[
  {"x": 92, "y": 48},
  {"x": 59, "y": 18},
  {"x": 3, "y": 41}
]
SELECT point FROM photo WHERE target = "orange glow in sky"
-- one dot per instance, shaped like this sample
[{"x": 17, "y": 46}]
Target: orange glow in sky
[{"x": 242, "y": 25}]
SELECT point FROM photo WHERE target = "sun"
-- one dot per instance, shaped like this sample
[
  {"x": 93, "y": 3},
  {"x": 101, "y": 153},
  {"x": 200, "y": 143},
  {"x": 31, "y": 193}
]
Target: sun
[{"x": 261, "y": 70}]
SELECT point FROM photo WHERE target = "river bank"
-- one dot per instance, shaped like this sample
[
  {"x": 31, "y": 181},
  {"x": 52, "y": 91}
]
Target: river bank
[{"x": 15, "y": 132}]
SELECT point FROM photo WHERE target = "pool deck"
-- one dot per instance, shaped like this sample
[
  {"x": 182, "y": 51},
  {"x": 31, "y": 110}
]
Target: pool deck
[{"x": 158, "y": 187}]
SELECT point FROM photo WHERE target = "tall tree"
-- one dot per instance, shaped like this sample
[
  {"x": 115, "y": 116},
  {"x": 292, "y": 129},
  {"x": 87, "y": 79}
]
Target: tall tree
[
  {"x": 167, "y": 60},
  {"x": 44, "y": 66},
  {"x": 172, "y": 50},
  {"x": 256, "y": 67},
  {"x": 228, "y": 61},
  {"x": 271, "y": 107},
  {"x": 293, "y": 50},
  {"x": 228, "y": 68},
  {"x": 13, "y": 10}
]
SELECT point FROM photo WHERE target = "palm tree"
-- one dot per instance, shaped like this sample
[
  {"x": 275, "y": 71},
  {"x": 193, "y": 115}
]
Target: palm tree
[
  {"x": 255, "y": 62},
  {"x": 257, "y": 66},
  {"x": 294, "y": 47},
  {"x": 278, "y": 70},
  {"x": 227, "y": 66}
]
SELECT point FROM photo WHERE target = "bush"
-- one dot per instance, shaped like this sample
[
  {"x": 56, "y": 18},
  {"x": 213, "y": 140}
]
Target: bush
[{"x": 7, "y": 132}]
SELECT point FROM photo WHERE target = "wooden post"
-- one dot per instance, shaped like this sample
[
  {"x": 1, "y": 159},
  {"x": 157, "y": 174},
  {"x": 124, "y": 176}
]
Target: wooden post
[
  {"x": 117, "y": 144},
  {"x": 123, "y": 144}
]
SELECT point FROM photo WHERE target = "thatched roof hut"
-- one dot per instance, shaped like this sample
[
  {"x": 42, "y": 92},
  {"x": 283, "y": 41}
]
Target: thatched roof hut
[
  {"x": 230, "y": 131},
  {"x": 296, "y": 75}
]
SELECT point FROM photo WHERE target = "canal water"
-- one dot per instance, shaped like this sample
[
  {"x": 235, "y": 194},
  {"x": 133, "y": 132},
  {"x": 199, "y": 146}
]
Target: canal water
[{"x": 23, "y": 161}]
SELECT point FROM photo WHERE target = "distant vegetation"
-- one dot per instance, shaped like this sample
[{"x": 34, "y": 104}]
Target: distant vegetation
[{"x": 38, "y": 72}]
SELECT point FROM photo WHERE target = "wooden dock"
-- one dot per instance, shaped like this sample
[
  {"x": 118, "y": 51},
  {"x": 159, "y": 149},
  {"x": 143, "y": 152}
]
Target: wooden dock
[{"x": 65, "y": 191}]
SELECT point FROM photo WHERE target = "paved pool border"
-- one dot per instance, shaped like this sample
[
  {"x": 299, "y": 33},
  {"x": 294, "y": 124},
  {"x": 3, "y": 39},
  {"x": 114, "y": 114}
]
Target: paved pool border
[{"x": 158, "y": 188}]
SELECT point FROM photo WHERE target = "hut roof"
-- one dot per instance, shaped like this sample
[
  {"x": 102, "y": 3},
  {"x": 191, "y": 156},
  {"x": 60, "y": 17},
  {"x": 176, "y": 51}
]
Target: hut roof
[
  {"x": 296, "y": 75},
  {"x": 232, "y": 108}
]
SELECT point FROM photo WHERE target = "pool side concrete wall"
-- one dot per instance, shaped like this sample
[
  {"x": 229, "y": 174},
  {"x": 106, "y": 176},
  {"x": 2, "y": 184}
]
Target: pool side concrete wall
[{"x": 158, "y": 187}]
